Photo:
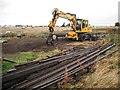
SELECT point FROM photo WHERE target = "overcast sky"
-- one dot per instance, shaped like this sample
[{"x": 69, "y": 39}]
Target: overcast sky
[{"x": 38, "y": 12}]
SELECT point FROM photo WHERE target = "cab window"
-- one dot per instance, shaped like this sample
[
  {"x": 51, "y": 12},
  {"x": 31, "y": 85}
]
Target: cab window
[{"x": 78, "y": 25}]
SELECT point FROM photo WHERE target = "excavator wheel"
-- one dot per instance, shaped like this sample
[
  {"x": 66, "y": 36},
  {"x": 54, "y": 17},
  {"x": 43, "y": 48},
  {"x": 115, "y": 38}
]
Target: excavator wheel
[
  {"x": 81, "y": 37},
  {"x": 94, "y": 37}
]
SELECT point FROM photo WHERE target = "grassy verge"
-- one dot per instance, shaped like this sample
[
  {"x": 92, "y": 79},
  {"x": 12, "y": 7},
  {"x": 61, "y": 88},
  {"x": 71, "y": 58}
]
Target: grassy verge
[
  {"x": 18, "y": 58},
  {"x": 105, "y": 76},
  {"x": 23, "y": 57}
]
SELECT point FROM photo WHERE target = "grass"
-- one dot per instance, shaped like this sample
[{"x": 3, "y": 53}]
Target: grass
[
  {"x": 7, "y": 38},
  {"x": 23, "y": 57},
  {"x": 113, "y": 38},
  {"x": 43, "y": 55},
  {"x": 6, "y": 66},
  {"x": 41, "y": 35},
  {"x": 71, "y": 86}
]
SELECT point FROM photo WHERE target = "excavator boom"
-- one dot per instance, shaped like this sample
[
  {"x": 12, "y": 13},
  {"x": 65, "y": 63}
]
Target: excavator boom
[{"x": 56, "y": 14}]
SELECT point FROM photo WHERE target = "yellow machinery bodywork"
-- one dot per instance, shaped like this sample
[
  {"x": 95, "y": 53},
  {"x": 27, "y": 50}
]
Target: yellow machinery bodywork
[
  {"x": 72, "y": 35},
  {"x": 79, "y": 25},
  {"x": 83, "y": 28}
]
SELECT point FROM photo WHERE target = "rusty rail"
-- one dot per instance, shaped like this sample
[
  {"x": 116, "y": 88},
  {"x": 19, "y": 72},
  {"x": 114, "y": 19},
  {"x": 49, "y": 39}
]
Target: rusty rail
[{"x": 42, "y": 74}]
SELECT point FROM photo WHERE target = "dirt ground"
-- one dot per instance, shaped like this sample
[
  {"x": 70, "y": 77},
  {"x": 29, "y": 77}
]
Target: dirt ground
[
  {"x": 39, "y": 44},
  {"x": 31, "y": 44}
]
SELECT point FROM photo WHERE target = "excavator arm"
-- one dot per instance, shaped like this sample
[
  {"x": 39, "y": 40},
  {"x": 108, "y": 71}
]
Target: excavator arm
[{"x": 56, "y": 14}]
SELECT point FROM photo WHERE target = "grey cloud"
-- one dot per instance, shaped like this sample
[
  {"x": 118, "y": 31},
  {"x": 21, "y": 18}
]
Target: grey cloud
[
  {"x": 3, "y": 4},
  {"x": 119, "y": 11}
]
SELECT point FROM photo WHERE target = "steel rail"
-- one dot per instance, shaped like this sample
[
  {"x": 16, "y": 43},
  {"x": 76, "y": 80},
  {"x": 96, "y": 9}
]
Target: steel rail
[
  {"x": 70, "y": 64},
  {"x": 83, "y": 61},
  {"x": 76, "y": 70},
  {"x": 16, "y": 80},
  {"x": 29, "y": 70},
  {"x": 58, "y": 70}
]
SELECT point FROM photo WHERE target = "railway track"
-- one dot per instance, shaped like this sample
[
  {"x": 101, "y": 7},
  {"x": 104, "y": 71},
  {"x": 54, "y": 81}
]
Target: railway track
[{"x": 40, "y": 74}]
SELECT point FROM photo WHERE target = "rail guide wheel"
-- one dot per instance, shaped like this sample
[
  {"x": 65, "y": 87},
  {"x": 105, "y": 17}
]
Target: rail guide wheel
[
  {"x": 52, "y": 39},
  {"x": 81, "y": 37}
]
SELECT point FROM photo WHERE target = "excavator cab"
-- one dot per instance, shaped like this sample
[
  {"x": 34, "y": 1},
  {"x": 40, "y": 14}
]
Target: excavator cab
[
  {"x": 78, "y": 24},
  {"x": 81, "y": 24},
  {"x": 82, "y": 29}
]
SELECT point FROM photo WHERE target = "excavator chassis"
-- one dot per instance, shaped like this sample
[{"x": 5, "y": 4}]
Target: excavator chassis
[{"x": 53, "y": 38}]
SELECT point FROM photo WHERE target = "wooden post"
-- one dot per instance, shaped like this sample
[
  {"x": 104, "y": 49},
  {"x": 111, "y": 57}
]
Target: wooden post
[{"x": 66, "y": 78}]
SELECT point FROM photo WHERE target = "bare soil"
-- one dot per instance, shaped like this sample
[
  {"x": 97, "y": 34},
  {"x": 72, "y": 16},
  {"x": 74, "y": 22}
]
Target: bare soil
[
  {"x": 32, "y": 44},
  {"x": 39, "y": 44}
]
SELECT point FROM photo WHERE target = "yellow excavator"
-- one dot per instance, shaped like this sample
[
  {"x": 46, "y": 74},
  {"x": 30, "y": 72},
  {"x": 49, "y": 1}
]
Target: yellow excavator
[{"x": 81, "y": 28}]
